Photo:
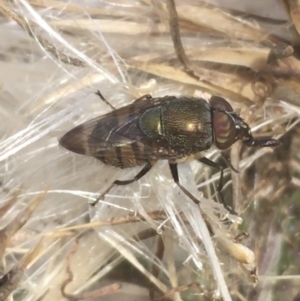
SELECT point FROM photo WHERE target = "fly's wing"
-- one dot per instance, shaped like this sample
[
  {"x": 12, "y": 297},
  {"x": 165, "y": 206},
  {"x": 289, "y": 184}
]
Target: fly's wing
[{"x": 117, "y": 130}]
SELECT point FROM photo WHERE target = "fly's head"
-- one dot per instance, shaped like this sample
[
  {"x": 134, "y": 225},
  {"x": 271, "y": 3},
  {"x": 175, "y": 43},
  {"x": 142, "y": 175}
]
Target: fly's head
[{"x": 228, "y": 127}]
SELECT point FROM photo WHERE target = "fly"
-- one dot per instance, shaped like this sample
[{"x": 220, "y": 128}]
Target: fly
[{"x": 169, "y": 128}]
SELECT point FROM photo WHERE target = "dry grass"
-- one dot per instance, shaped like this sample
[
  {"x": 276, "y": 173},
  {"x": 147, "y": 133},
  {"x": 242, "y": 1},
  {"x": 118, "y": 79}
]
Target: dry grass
[{"x": 146, "y": 240}]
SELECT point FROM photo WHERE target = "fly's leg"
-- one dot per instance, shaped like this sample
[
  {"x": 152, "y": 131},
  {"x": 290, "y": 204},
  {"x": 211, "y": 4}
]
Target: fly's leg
[
  {"x": 215, "y": 165},
  {"x": 144, "y": 97},
  {"x": 141, "y": 173},
  {"x": 229, "y": 163},
  {"x": 104, "y": 99},
  {"x": 174, "y": 172},
  {"x": 220, "y": 184}
]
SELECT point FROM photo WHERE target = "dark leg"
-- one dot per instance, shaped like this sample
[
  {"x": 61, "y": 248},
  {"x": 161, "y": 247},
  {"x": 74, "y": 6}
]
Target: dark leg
[
  {"x": 144, "y": 97},
  {"x": 220, "y": 184},
  {"x": 215, "y": 165},
  {"x": 102, "y": 97},
  {"x": 174, "y": 172},
  {"x": 141, "y": 173},
  {"x": 229, "y": 163}
]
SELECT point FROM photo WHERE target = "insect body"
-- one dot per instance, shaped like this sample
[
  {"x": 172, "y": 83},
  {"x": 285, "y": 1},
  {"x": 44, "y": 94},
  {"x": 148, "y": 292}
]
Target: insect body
[{"x": 168, "y": 128}]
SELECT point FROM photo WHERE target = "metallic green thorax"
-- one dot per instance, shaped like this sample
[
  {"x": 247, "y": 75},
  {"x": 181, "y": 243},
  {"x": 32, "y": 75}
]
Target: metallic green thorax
[{"x": 184, "y": 123}]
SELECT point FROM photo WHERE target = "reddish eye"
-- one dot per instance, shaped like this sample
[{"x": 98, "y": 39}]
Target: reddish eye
[
  {"x": 224, "y": 130},
  {"x": 220, "y": 103}
]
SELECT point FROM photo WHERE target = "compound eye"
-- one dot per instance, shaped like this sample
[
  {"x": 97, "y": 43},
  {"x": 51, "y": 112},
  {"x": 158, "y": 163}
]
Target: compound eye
[
  {"x": 220, "y": 103},
  {"x": 224, "y": 130}
]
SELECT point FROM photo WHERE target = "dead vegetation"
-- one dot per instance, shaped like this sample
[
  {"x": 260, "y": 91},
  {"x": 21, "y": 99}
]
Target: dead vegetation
[{"x": 194, "y": 48}]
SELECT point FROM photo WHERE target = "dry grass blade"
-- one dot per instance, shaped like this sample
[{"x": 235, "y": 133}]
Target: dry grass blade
[
  {"x": 129, "y": 218},
  {"x": 122, "y": 27},
  {"x": 239, "y": 91},
  {"x": 83, "y": 83},
  {"x": 171, "y": 261},
  {"x": 92, "y": 11},
  {"x": 160, "y": 249},
  {"x": 107, "y": 290},
  {"x": 210, "y": 16},
  {"x": 10, "y": 281},
  {"x": 200, "y": 290},
  {"x": 21, "y": 219},
  {"x": 103, "y": 291},
  {"x": 175, "y": 34},
  {"x": 235, "y": 160},
  {"x": 235, "y": 28},
  {"x": 128, "y": 255},
  {"x": 249, "y": 56},
  {"x": 29, "y": 26},
  {"x": 10, "y": 203},
  {"x": 293, "y": 7}
]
